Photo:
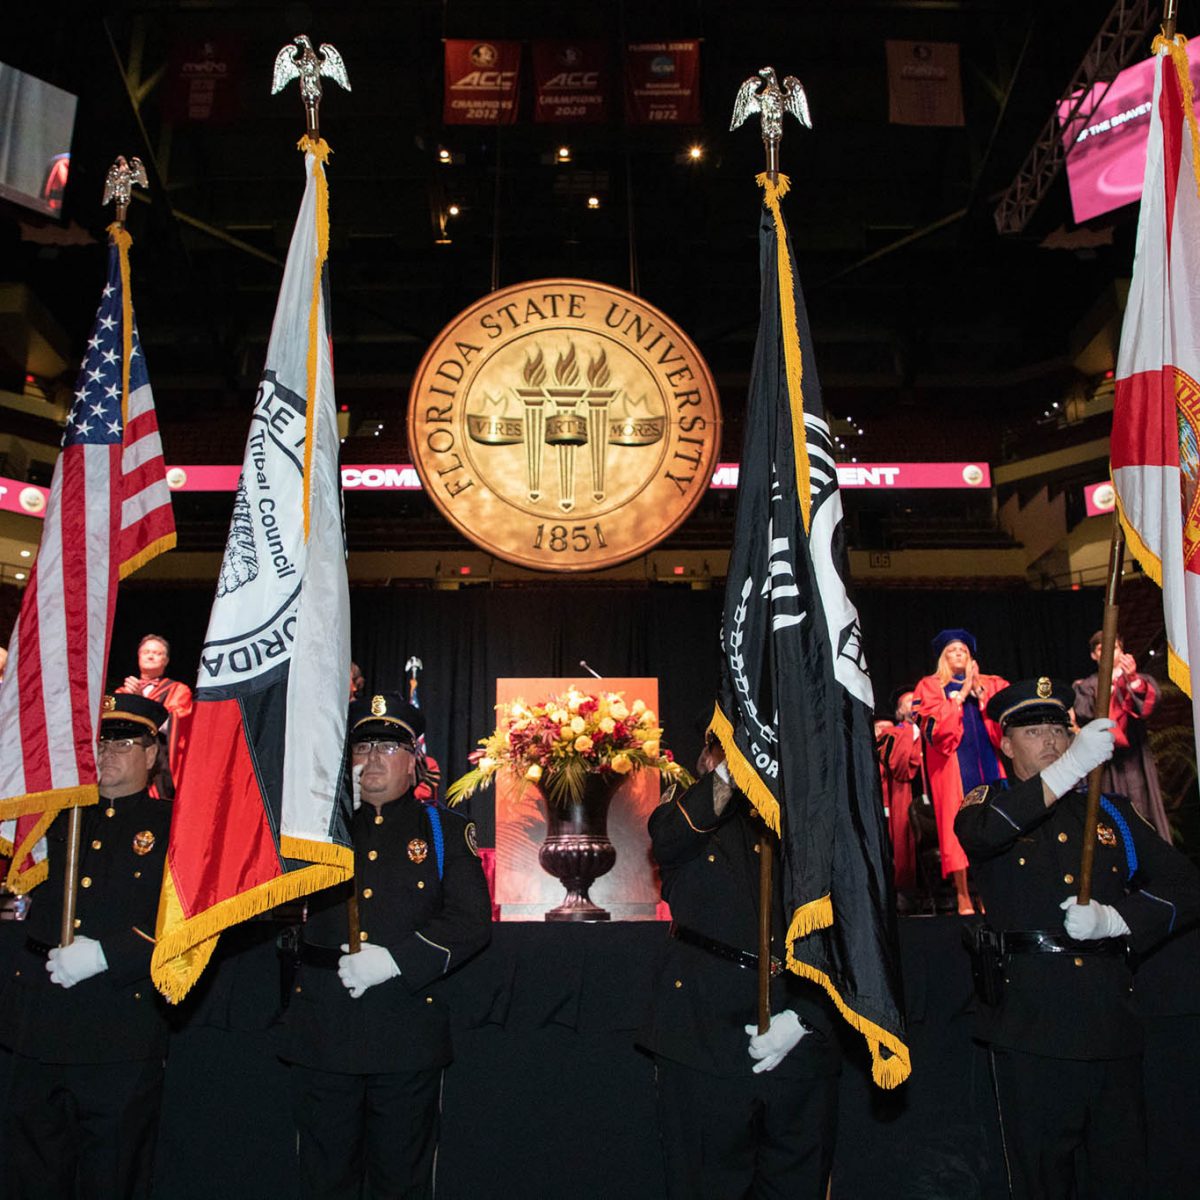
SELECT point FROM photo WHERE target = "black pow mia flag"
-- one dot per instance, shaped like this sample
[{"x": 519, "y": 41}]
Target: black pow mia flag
[{"x": 794, "y": 713}]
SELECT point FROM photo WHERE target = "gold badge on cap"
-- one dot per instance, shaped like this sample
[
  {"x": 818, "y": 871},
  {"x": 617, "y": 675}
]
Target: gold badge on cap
[
  {"x": 1044, "y": 688},
  {"x": 378, "y": 706},
  {"x": 110, "y": 703},
  {"x": 1106, "y": 835},
  {"x": 143, "y": 842},
  {"x": 418, "y": 850}
]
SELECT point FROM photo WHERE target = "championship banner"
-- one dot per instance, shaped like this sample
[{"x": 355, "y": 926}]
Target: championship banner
[
  {"x": 570, "y": 82},
  {"x": 1156, "y": 411},
  {"x": 202, "y": 81},
  {"x": 108, "y": 513},
  {"x": 261, "y": 806},
  {"x": 924, "y": 84},
  {"x": 482, "y": 82},
  {"x": 662, "y": 83},
  {"x": 795, "y": 707}
]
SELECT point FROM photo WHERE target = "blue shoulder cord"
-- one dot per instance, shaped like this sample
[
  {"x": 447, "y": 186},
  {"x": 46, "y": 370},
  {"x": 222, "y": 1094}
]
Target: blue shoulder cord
[
  {"x": 439, "y": 841},
  {"x": 1131, "y": 859}
]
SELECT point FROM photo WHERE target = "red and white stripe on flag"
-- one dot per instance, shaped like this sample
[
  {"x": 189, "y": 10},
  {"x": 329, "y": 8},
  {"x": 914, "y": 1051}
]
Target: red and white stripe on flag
[
  {"x": 1156, "y": 416},
  {"x": 109, "y": 512},
  {"x": 261, "y": 806}
]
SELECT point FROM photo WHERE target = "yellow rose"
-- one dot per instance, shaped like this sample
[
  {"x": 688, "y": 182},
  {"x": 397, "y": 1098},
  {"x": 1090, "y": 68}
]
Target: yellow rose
[
  {"x": 559, "y": 716},
  {"x": 639, "y": 706},
  {"x": 619, "y": 710},
  {"x": 583, "y": 744},
  {"x": 574, "y": 700},
  {"x": 650, "y": 749},
  {"x": 622, "y": 764},
  {"x": 486, "y": 764},
  {"x": 566, "y": 731},
  {"x": 607, "y": 724},
  {"x": 534, "y": 773},
  {"x": 578, "y": 724},
  {"x": 647, "y": 717}
]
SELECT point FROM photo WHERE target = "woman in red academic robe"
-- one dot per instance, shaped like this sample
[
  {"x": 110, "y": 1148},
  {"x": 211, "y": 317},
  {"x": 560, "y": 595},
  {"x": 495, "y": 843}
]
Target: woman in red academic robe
[{"x": 960, "y": 742}]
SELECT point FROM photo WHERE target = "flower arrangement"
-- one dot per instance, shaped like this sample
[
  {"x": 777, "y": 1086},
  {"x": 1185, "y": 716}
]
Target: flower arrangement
[{"x": 559, "y": 741}]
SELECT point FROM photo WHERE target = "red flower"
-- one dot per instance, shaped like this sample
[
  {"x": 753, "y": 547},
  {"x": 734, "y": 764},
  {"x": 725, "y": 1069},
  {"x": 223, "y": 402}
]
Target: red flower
[{"x": 587, "y": 707}]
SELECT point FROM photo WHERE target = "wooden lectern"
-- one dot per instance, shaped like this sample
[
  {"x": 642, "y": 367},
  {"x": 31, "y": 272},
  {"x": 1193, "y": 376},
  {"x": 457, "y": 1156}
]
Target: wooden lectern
[{"x": 524, "y": 890}]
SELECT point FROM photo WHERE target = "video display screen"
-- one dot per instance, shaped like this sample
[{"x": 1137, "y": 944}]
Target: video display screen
[{"x": 36, "y": 120}]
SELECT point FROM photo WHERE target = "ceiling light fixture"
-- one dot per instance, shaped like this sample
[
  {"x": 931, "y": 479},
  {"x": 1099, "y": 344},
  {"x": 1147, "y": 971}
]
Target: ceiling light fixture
[
  {"x": 593, "y": 202},
  {"x": 564, "y": 154}
]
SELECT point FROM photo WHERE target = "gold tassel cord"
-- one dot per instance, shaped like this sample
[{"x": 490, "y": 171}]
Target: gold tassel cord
[
  {"x": 1177, "y": 49},
  {"x": 123, "y": 241},
  {"x": 185, "y": 944},
  {"x": 793, "y": 357},
  {"x": 320, "y": 152}
]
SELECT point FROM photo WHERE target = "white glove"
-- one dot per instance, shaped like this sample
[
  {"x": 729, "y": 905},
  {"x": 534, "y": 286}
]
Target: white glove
[
  {"x": 1089, "y": 922},
  {"x": 371, "y": 965},
  {"x": 1092, "y": 746},
  {"x": 772, "y": 1047},
  {"x": 356, "y": 785},
  {"x": 69, "y": 965}
]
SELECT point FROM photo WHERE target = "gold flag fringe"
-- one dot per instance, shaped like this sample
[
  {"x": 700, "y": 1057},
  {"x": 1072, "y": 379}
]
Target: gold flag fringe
[
  {"x": 808, "y": 918},
  {"x": 1177, "y": 49},
  {"x": 793, "y": 358},
  {"x": 745, "y": 777},
  {"x": 182, "y": 951},
  {"x": 48, "y": 805},
  {"x": 142, "y": 557},
  {"x": 320, "y": 152}
]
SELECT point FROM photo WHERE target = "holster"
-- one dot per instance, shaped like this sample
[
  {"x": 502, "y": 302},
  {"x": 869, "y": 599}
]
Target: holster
[{"x": 984, "y": 945}]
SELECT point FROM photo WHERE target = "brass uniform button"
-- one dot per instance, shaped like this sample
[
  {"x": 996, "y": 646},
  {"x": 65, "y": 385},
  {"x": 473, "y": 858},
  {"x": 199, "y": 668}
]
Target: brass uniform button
[
  {"x": 78, "y": 922},
  {"x": 299, "y": 990},
  {"x": 379, "y": 818},
  {"x": 420, "y": 883},
  {"x": 1068, "y": 879},
  {"x": 1021, "y": 862},
  {"x": 428, "y": 999},
  {"x": 137, "y": 995},
  {"x": 367, "y": 893},
  {"x": 372, "y": 855},
  {"x": 96, "y": 844},
  {"x": 1114, "y": 870},
  {"x": 1062, "y": 837},
  {"x": 86, "y": 881},
  {"x": 362, "y": 937},
  {"x": 137, "y": 874},
  {"x": 712, "y": 858},
  {"x": 1079, "y": 962},
  {"x": 679, "y": 983},
  {"x": 110, "y": 812},
  {"x": 17, "y": 974},
  {"x": 756, "y": 848}
]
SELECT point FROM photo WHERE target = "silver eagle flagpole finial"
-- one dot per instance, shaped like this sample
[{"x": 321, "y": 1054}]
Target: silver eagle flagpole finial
[
  {"x": 119, "y": 182},
  {"x": 300, "y": 61},
  {"x": 762, "y": 94}
]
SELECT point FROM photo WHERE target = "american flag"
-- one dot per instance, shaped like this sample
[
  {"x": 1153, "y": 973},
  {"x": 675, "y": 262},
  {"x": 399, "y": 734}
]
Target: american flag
[{"x": 109, "y": 512}]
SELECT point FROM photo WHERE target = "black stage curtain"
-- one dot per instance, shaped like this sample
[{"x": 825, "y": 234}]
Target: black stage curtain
[{"x": 470, "y": 637}]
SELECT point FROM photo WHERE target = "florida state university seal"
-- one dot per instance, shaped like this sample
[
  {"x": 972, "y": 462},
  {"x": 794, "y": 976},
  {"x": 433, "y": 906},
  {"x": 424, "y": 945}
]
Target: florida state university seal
[{"x": 564, "y": 425}]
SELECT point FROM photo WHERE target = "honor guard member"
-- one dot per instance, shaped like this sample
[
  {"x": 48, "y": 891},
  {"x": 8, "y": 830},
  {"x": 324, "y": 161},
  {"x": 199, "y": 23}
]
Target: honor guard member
[
  {"x": 365, "y": 1033},
  {"x": 1055, "y": 985},
  {"x": 87, "y": 1029},
  {"x": 740, "y": 1113}
]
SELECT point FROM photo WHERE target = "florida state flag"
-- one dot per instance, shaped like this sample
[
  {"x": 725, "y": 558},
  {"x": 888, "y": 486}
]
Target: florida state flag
[
  {"x": 261, "y": 806},
  {"x": 1156, "y": 415}
]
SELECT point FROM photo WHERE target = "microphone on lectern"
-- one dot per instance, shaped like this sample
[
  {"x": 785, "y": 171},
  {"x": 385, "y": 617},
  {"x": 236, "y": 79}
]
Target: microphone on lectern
[{"x": 589, "y": 670}]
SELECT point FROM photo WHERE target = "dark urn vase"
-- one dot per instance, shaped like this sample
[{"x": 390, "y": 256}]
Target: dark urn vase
[{"x": 577, "y": 849}]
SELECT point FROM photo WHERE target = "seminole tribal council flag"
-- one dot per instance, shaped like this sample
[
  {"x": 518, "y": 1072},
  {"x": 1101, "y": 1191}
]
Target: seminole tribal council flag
[
  {"x": 260, "y": 809},
  {"x": 1156, "y": 414},
  {"x": 795, "y": 708},
  {"x": 109, "y": 512}
]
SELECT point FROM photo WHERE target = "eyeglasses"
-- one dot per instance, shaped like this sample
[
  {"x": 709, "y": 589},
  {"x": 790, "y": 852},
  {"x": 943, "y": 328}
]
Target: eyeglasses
[
  {"x": 120, "y": 745},
  {"x": 387, "y": 749}
]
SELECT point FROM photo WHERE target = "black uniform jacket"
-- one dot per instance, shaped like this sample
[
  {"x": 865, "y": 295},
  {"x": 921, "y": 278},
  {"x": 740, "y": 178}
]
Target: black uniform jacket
[
  {"x": 703, "y": 1003},
  {"x": 116, "y": 1016},
  {"x": 1025, "y": 859},
  {"x": 431, "y": 927}
]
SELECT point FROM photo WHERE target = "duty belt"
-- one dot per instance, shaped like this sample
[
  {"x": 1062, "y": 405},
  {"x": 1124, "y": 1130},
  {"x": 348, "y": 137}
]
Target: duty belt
[
  {"x": 1041, "y": 941},
  {"x": 324, "y": 957},
  {"x": 740, "y": 958}
]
